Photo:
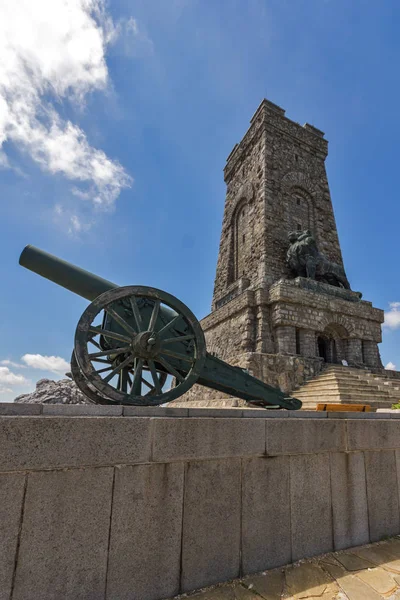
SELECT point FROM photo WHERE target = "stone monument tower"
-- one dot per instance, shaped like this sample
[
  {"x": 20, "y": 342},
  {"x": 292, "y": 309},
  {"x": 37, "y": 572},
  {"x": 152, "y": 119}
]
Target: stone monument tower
[{"x": 284, "y": 319}]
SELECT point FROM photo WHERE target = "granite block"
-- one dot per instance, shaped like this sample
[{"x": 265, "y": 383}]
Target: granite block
[
  {"x": 305, "y": 436},
  {"x": 12, "y": 487},
  {"x": 382, "y": 493},
  {"x": 376, "y": 434},
  {"x": 146, "y": 532},
  {"x": 349, "y": 500},
  {"x": 54, "y": 442},
  {"x": 186, "y": 439},
  {"x": 265, "y": 413},
  {"x": 154, "y": 411},
  {"x": 307, "y": 414},
  {"x": 21, "y": 409},
  {"x": 80, "y": 410},
  {"x": 311, "y": 505},
  {"x": 216, "y": 412},
  {"x": 211, "y": 523},
  {"x": 64, "y": 537},
  {"x": 357, "y": 415},
  {"x": 266, "y": 542}
]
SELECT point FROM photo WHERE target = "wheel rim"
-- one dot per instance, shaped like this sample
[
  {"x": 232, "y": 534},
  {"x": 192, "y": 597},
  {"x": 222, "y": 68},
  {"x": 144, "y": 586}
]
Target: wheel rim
[
  {"x": 146, "y": 335},
  {"x": 83, "y": 385}
]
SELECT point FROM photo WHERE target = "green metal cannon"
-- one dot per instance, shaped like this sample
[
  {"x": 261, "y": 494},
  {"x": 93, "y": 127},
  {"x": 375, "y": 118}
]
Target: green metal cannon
[{"x": 132, "y": 341}]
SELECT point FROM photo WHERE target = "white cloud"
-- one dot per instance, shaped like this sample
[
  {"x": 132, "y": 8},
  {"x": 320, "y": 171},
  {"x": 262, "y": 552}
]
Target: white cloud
[
  {"x": 392, "y": 316},
  {"x": 10, "y": 378},
  {"x": 10, "y": 363},
  {"x": 390, "y": 366},
  {"x": 55, "y": 364},
  {"x": 54, "y": 50},
  {"x": 133, "y": 39},
  {"x": 5, "y": 390},
  {"x": 69, "y": 219}
]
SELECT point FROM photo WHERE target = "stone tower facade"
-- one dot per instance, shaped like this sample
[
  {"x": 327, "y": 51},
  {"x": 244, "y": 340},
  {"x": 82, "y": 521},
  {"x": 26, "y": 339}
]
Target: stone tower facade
[
  {"x": 280, "y": 327},
  {"x": 276, "y": 183}
]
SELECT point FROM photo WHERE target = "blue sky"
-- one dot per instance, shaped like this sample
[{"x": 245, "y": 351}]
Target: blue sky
[{"x": 115, "y": 127}]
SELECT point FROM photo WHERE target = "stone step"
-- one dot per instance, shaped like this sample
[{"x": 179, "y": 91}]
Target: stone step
[
  {"x": 352, "y": 370},
  {"x": 316, "y": 383},
  {"x": 341, "y": 377},
  {"x": 312, "y": 405},
  {"x": 340, "y": 394},
  {"x": 351, "y": 385}
]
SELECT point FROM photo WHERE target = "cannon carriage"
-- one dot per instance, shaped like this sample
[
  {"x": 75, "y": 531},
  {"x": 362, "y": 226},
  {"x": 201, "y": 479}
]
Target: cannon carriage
[{"x": 132, "y": 342}]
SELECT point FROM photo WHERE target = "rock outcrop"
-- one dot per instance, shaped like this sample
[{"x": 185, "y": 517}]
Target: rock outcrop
[{"x": 47, "y": 391}]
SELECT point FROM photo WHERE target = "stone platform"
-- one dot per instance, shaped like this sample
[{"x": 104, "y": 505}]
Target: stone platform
[
  {"x": 126, "y": 503},
  {"x": 369, "y": 572}
]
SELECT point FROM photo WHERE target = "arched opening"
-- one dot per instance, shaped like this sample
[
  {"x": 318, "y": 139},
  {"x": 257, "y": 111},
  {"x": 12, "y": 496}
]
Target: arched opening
[
  {"x": 299, "y": 217},
  {"x": 332, "y": 344},
  {"x": 240, "y": 239}
]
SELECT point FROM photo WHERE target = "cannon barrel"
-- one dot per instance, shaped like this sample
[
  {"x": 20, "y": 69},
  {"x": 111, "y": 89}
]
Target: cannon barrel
[{"x": 68, "y": 276}]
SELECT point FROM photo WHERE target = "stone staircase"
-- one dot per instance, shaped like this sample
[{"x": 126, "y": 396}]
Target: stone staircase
[{"x": 345, "y": 385}]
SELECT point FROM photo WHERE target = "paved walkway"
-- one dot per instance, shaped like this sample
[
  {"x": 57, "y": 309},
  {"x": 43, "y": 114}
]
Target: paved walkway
[{"x": 365, "y": 573}]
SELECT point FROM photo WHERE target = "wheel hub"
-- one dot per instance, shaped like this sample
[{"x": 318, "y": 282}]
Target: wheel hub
[{"x": 146, "y": 345}]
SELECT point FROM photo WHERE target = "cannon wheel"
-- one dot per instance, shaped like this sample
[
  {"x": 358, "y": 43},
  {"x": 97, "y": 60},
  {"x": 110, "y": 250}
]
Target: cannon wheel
[
  {"x": 129, "y": 362},
  {"x": 89, "y": 391}
]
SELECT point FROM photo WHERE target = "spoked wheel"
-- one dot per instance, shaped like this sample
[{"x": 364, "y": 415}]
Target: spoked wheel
[
  {"x": 90, "y": 391},
  {"x": 86, "y": 389},
  {"x": 130, "y": 339}
]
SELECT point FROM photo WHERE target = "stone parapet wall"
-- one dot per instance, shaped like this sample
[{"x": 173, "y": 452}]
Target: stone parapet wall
[
  {"x": 292, "y": 305},
  {"x": 128, "y": 507}
]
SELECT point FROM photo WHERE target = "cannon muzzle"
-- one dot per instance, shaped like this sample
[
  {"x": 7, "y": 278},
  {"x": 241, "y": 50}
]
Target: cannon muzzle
[{"x": 68, "y": 276}]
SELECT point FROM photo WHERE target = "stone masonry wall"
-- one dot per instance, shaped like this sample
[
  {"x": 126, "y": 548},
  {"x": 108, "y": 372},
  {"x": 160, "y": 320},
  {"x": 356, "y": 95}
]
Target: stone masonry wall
[
  {"x": 109, "y": 505},
  {"x": 277, "y": 176},
  {"x": 292, "y": 305}
]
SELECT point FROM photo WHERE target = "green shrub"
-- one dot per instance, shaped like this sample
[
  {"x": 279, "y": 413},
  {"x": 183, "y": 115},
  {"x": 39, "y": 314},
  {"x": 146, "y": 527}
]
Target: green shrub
[{"x": 396, "y": 406}]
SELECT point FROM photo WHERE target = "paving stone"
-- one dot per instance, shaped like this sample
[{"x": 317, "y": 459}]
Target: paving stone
[
  {"x": 349, "y": 499},
  {"x": 309, "y": 580},
  {"x": 380, "y": 580},
  {"x": 305, "y": 436},
  {"x": 382, "y": 492},
  {"x": 352, "y": 562},
  {"x": 311, "y": 511},
  {"x": 376, "y": 434},
  {"x": 44, "y": 443},
  {"x": 89, "y": 410},
  {"x": 146, "y": 532},
  {"x": 211, "y": 523},
  {"x": 15, "y": 408},
  {"x": 11, "y": 497},
  {"x": 266, "y": 541},
  {"x": 380, "y": 555},
  {"x": 354, "y": 588},
  {"x": 269, "y": 586},
  {"x": 234, "y": 591},
  {"x": 64, "y": 537},
  {"x": 185, "y": 439},
  {"x": 393, "y": 546},
  {"x": 154, "y": 411}
]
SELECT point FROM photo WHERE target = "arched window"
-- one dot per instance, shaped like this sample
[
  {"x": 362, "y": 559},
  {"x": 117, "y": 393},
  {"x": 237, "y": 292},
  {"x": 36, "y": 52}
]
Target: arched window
[
  {"x": 240, "y": 234},
  {"x": 299, "y": 217}
]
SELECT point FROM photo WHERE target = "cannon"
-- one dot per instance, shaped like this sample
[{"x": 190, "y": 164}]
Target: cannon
[{"x": 134, "y": 342}]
